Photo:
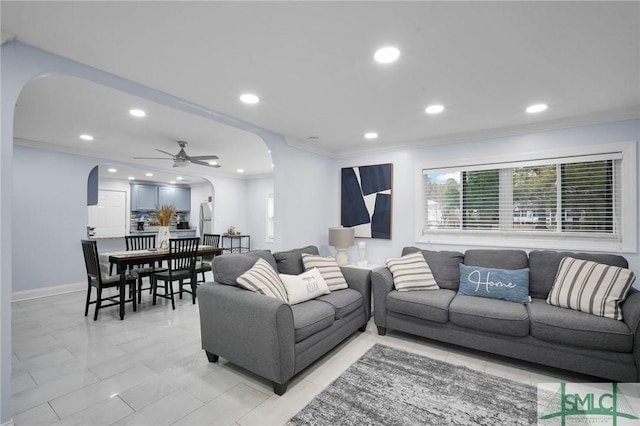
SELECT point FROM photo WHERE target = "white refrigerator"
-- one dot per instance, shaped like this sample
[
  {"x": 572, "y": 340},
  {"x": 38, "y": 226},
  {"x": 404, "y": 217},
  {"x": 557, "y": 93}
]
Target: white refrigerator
[{"x": 206, "y": 225}]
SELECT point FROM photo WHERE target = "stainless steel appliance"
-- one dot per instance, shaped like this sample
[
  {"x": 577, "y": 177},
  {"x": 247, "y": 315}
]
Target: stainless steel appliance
[{"x": 206, "y": 214}]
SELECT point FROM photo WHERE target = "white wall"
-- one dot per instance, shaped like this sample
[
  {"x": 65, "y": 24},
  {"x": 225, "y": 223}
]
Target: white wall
[
  {"x": 257, "y": 190},
  {"x": 408, "y": 163},
  {"x": 49, "y": 217}
]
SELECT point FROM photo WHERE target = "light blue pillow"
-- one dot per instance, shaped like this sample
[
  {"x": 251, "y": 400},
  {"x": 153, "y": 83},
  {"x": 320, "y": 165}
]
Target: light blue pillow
[{"x": 504, "y": 284}]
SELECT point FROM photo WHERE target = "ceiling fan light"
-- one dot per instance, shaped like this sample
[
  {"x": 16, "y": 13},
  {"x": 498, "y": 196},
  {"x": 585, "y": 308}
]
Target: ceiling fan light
[{"x": 86, "y": 137}]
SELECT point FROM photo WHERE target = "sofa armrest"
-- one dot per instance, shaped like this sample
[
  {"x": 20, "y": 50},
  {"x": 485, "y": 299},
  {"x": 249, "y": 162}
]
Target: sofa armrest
[
  {"x": 360, "y": 280},
  {"x": 249, "y": 329},
  {"x": 382, "y": 284},
  {"x": 631, "y": 317}
]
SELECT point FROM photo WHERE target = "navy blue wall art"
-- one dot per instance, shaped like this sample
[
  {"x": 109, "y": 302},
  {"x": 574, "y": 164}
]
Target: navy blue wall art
[{"x": 366, "y": 200}]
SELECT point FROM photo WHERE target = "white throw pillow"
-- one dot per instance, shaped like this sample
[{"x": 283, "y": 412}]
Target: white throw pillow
[
  {"x": 262, "y": 279},
  {"x": 591, "y": 287},
  {"x": 328, "y": 268},
  {"x": 305, "y": 286},
  {"x": 411, "y": 272}
]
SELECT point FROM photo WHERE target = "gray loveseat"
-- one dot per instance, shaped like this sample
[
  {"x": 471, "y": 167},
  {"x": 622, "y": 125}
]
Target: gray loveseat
[
  {"x": 536, "y": 332},
  {"x": 267, "y": 336}
]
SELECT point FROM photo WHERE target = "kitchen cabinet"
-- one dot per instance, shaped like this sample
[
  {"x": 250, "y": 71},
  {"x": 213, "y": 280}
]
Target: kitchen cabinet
[
  {"x": 180, "y": 198},
  {"x": 150, "y": 197},
  {"x": 144, "y": 197}
]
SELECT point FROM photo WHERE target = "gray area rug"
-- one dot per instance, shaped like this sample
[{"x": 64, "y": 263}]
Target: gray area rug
[{"x": 388, "y": 386}]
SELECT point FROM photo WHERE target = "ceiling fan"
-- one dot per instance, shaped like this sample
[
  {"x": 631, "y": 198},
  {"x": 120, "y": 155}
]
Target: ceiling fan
[{"x": 181, "y": 159}]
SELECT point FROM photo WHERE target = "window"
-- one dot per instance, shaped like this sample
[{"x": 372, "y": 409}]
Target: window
[
  {"x": 270, "y": 214},
  {"x": 559, "y": 202}
]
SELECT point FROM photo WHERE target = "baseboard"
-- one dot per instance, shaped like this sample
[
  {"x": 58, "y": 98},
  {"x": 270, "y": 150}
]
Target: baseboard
[{"x": 18, "y": 296}]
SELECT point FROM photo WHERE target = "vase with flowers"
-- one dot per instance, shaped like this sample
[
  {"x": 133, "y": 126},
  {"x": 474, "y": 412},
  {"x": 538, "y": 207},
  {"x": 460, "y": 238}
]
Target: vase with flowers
[{"x": 164, "y": 216}]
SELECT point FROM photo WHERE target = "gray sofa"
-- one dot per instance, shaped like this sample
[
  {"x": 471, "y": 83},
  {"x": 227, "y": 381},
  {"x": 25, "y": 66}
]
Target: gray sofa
[
  {"x": 268, "y": 336},
  {"x": 537, "y": 332}
]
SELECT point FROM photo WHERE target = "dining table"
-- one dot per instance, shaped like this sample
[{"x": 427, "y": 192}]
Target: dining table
[{"x": 126, "y": 259}]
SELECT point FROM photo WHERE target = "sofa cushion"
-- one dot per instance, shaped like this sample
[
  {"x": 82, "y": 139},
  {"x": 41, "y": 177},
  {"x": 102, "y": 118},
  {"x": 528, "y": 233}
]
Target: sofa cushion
[
  {"x": 431, "y": 305},
  {"x": 501, "y": 259},
  {"x": 263, "y": 279},
  {"x": 290, "y": 261},
  {"x": 543, "y": 267},
  {"x": 328, "y": 268},
  {"x": 492, "y": 315},
  {"x": 444, "y": 265},
  {"x": 343, "y": 301},
  {"x": 228, "y": 267},
  {"x": 591, "y": 287},
  {"x": 311, "y": 317},
  {"x": 566, "y": 326},
  {"x": 504, "y": 284},
  {"x": 305, "y": 286},
  {"x": 411, "y": 272}
]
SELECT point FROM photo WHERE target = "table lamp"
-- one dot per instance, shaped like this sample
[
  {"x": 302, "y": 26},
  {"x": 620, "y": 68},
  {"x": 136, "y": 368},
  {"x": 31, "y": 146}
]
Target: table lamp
[{"x": 341, "y": 239}]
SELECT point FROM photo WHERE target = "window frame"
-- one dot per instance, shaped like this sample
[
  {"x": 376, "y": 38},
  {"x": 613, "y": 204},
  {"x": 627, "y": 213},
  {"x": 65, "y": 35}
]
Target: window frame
[
  {"x": 627, "y": 241},
  {"x": 269, "y": 230}
]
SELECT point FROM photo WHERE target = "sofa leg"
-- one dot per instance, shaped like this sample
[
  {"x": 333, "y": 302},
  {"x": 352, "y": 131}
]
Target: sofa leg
[
  {"x": 382, "y": 331},
  {"x": 280, "y": 389},
  {"x": 363, "y": 328},
  {"x": 212, "y": 357}
]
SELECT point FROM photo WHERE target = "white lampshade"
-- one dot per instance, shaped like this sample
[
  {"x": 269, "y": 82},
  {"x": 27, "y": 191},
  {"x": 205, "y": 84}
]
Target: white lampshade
[{"x": 341, "y": 239}]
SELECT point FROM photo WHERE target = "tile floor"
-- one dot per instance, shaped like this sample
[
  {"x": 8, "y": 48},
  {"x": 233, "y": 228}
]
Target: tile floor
[{"x": 150, "y": 370}]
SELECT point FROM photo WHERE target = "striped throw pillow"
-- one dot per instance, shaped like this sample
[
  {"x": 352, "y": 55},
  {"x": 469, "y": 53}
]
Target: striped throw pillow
[
  {"x": 591, "y": 287},
  {"x": 262, "y": 279},
  {"x": 411, "y": 272},
  {"x": 328, "y": 268}
]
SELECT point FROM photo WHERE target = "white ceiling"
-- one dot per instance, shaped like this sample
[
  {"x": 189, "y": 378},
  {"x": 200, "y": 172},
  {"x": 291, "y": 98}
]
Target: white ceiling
[{"x": 312, "y": 65}]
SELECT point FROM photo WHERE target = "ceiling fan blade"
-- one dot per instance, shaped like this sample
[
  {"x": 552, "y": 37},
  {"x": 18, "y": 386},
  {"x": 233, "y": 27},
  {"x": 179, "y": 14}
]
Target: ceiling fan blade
[
  {"x": 151, "y": 158},
  {"x": 204, "y": 157},
  {"x": 202, "y": 163},
  {"x": 165, "y": 152}
]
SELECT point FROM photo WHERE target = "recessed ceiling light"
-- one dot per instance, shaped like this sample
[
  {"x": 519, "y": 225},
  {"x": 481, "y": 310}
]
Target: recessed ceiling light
[
  {"x": 240, "y": 170},
  {"x": 86, "y": 137},
  {"x": 112, "y": 170},
  {"x": 213, "y": 163},
  {"x": 179, "y": 177},
  {"x": 536, "y": 108},
  {"x": 172, "y": 182},
  {"x": 249, "y": 98},
  {"x": 370, "y": 135},
  {"x": 131, "y": 178},
  {"x": 434, "y": 109},
  {"x": 148, "y": 174},
  {"x": 386, "y": 54},
  {"x": 137, "y": 112}
]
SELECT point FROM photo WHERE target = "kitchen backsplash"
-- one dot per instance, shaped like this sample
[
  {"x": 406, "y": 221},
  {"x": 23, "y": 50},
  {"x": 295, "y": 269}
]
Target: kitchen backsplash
[{"x": 149, "y": 219}]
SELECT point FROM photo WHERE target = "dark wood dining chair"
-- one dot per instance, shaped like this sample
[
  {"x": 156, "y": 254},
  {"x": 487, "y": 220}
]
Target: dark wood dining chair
[
  {"x": 143, "y": 242},
  {"x": 95, "y": 279},
  {"x": 182, "y": 267},
  {"x": 205, "y": 264}
]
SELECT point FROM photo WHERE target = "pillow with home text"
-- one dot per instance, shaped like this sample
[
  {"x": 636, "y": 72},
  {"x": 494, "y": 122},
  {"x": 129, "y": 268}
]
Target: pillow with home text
[{"x": 505, "y": 284}]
